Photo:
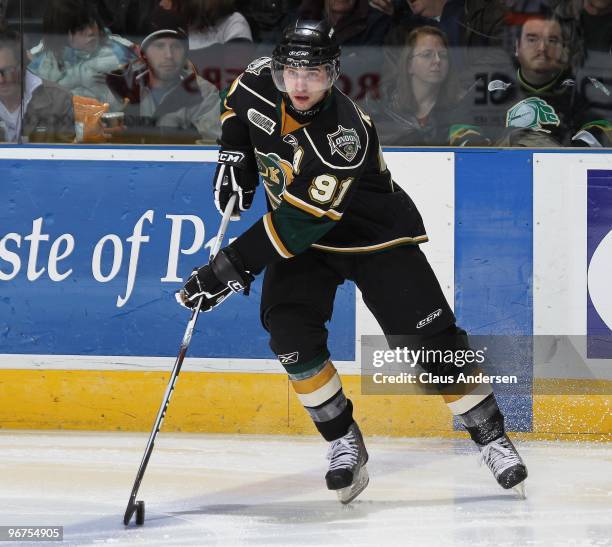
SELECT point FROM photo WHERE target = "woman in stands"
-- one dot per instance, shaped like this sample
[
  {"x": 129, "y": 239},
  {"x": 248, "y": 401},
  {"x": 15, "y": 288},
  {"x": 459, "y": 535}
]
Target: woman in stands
[{"x": 417, "y": 105}]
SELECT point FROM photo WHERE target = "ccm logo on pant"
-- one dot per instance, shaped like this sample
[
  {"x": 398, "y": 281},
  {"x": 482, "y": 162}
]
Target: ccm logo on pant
[{"x": 429, "y": 318}]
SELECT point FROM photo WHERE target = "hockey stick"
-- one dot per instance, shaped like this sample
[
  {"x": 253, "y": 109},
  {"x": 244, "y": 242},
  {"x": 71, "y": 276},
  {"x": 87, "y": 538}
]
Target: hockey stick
[{"x": 138, "y": 507}]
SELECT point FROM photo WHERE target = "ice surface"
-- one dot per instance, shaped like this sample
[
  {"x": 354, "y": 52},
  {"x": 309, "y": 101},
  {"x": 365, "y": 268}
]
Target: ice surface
[{"x": 262, "y": 490}]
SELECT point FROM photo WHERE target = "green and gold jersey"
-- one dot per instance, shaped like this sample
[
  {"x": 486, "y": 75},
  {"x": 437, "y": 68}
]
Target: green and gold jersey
[{"x": 325, "y": 179}]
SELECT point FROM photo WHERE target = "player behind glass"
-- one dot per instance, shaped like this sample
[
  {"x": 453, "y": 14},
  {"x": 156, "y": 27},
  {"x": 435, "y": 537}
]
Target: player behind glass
[{"x": 334, "y": 214}]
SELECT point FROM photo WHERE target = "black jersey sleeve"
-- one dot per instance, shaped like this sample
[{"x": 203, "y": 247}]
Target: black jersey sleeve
[{"x": 234, "y": 130}]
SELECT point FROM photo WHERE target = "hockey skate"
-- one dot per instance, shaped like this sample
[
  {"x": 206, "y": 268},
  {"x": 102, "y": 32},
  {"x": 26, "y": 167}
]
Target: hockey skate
[
  {"x": 347, "y": 473},
  {"x": 505, "y": 463}
]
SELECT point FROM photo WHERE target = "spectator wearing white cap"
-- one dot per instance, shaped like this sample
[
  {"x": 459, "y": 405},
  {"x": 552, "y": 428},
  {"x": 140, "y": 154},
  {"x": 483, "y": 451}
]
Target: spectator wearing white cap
[{"x": 165, "y": 100}]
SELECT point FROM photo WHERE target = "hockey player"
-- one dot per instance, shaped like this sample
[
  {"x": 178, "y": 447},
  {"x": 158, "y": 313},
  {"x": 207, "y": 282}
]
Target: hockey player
[{"x": 334, "y": 214}]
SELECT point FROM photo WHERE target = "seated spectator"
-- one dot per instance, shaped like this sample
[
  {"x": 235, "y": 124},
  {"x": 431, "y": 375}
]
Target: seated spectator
[
  {"x": 541, "y": 105},
  {"x": 76, "y": 52},
  {"x": 128, "y": 18},
  {"x": 215, "y": 22},
  {"x": 43, "y": 112},
  {"x": 416, "y": 110},
  {"x": 596, "y": 22},
  {"x": 355, "y": 22},
  {"x": 165, "y": 101},
  {"x": 268, "y": 18},
  {"x": 447, "y": 15}
]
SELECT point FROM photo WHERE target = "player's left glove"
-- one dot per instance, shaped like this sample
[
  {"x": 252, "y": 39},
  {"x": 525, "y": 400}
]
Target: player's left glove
[{"x": 215, "y": 281}]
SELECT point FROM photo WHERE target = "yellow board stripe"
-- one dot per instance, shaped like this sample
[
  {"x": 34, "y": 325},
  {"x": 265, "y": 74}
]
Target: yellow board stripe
[
  {"x": 274, "y": 239},
  {"x": 324, "y": 393},
  {"x": 260, "y": 403},
  {"x": 308, "y": 385},
  {"x": 315, "y": 211},
  {"x": 377, "y": 247}
]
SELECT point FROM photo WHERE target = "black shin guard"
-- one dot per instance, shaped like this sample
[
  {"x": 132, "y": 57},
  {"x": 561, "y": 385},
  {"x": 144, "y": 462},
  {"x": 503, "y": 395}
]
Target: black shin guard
[{"x": 336, "y": 427}]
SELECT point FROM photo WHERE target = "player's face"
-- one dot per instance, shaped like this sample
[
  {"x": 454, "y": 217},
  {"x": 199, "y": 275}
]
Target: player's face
[
  {"x": 166, "y": 58},
  {"x": 9, "y": 75},
  {"x": 429, "y": 61},
  {"x": 306, "y": 86},
  {"x": 540, "y": 47},
  {"x": 85, "y": 39}
]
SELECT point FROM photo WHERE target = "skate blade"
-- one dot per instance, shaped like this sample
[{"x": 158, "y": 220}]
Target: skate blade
[
  {"x": 519, "y": 490},
  {"x": 348, "y": 494}
]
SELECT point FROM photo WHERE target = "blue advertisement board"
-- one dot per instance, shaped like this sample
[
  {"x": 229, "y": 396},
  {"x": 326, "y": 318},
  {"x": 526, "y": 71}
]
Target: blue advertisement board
[{"x": 92, "y": 252}]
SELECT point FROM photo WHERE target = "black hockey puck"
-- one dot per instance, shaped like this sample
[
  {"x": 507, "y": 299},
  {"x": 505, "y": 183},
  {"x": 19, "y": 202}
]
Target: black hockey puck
[{"x": 140, "y": 512}]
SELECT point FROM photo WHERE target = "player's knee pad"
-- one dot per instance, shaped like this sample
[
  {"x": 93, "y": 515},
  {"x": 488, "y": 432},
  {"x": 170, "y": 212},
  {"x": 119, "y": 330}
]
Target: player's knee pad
[{"x": 298, "y": 337}]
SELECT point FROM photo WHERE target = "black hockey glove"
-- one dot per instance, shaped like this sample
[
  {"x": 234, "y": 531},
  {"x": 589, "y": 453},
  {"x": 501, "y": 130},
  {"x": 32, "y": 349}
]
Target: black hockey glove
[
  {"x": 215, "y": 281},
  {"x": 236, "y": 172}
]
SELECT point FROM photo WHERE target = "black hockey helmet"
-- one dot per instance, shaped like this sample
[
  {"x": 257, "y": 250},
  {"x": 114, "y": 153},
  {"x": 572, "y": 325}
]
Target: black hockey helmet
[{"x": 306, "y": 44}]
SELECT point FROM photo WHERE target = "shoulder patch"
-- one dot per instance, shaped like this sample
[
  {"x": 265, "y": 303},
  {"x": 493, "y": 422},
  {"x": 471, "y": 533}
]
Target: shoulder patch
[
  {"x": 599, "y": 86},
  {"x": 344, "y": 142},
  {"x": 261, "y": 120},
  {"x": 256, "y": 66},
  {"x": 498, "y": 85}
]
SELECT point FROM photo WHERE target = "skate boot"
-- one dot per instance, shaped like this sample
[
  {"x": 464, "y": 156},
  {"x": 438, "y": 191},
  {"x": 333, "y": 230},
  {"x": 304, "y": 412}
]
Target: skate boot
[
  {"x": 504, "y": 461},
  {"x": 347, "y": 472}
]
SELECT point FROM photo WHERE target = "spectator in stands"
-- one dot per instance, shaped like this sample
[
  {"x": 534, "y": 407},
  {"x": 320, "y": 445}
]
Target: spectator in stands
[
  {"x": 43, "y": 112},
  {"x": 268, "y": 18},
  {"x": 542, "y": 105},
  {"x": 128, "y": 18},
  {"x": 416, "y": 110},
  {"x": 165, "y": 100},
  {"x": 77, "y": 52},
  {"x": 596, "y": 22},
  {"x": 215, "y": 22},
  {"x": 447, "y": 15},
  {"x": 355, "y": 22}
]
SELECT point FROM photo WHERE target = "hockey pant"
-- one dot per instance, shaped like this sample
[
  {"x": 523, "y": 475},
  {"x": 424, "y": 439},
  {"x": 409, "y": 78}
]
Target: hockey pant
[{"x": 402, "y": 292}]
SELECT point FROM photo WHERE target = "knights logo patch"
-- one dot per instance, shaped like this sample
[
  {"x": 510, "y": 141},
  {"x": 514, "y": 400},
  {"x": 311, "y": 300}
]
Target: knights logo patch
[
  {"x": 277, "y": 174},
  {"x": 344, "y": 142},
  {"x": 258, "y": 65},
  {"x": 533, "y": 113}
]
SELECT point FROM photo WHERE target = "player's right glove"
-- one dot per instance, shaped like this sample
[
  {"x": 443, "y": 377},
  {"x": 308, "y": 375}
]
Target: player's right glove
[
  {"x": 236, "y": 172},
  {"x": 215, "y": 281}
]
